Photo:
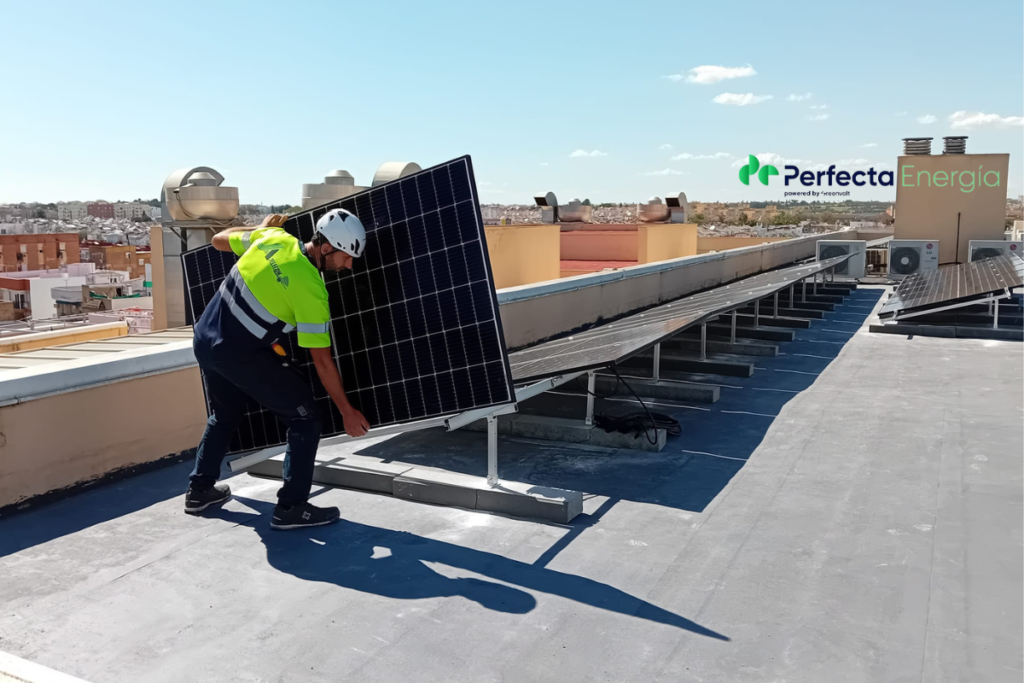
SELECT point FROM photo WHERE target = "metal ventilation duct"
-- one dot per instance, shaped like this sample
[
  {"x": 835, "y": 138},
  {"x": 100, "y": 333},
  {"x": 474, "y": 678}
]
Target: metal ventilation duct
[
  {"x": 654, "y": 210},
  {"x": 337, "y": 185},
  {"x": 548, "y": 204},
  {"x": 917, "y": 146},
  {"x": 575, "y": 212},
  {"x": 392, "y": 170},
  {"x": 197, "y": 194},
  {"x": 954, "y": 144}
]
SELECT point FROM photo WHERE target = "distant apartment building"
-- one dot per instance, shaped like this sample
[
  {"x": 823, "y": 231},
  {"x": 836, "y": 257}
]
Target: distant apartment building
[
  {"x": 19, "y": 253},
  {"x": 126, "y": 258},
  {"x": 72, "y": 211},
  {"x": 100, "y": 209},
  {"x": 131, "y": 210}
]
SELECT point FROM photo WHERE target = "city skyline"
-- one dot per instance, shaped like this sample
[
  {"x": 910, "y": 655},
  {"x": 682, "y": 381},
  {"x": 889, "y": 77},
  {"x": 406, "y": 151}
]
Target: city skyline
[{"x": 608, "y": 114}]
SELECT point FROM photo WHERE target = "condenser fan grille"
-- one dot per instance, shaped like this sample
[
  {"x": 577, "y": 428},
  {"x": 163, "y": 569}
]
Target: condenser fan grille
[
  {"x": 905, "y": 260},
  {"x": 985, "y": 252},
  {"x": 833, "y": 250}
]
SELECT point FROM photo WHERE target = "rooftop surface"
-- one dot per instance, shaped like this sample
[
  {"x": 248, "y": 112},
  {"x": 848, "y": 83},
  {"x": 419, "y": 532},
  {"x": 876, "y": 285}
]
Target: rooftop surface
[
  {"x": 852, "y": 512},
  {"x": 17, "y": 360}
]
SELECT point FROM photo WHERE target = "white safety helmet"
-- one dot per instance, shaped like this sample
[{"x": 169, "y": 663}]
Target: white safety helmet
[{"x": 343, "y": 231}]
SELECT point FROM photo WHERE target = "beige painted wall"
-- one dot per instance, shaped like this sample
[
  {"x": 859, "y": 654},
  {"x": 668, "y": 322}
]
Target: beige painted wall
[
  {"x": 156, "y": 241},
  {"x": 706, "y": 244},
  {"x": 927, "y": 205},
  {"x": 522, "y": 254},
  {"x": 60, "y": 440},
  {"x": 599, "y": 245},
  {"x": 71, "y": 335},
  {"x": 664, "y": 241}
]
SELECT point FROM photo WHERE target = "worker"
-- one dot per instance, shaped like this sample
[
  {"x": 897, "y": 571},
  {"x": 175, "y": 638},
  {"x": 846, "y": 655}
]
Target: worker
[{"x": 275, "y": 287}]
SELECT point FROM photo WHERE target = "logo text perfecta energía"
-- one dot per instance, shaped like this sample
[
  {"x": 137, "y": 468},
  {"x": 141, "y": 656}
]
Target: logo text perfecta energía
[{"x": 964, "y": 180}]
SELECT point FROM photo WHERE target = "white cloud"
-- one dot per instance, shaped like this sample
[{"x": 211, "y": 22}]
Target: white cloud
[
  {"x": 585, "y": 153},
  {"x": 976, "y": 119},
  {"x": 686, "y": 155},
  {"x": 818, "y": 117},
  {"x": 664, "y": 172},
  {"x": 666, "y": 146},
  {"x": 927, "y": 118},
  {"x": 901, "y": 113},
  {"x": 771, "y": 158},
  {"x": 798, "y": 98},
  {"x": 870, "y": 144},
  {"x": 740, "y": 100},
  {"x": 543, "y": 163},
  {"x": 853, "y": 162},
  {"x": 706, "y": 75},
  {"x": 818, "y": 106}
]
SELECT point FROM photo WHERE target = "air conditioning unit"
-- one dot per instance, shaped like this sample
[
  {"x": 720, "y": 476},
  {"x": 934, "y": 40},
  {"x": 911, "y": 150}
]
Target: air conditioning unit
[
  {"x": 979, "y": 249},
  {"x": 907, "y": 257},
  {"x": 853, "y": 267}
]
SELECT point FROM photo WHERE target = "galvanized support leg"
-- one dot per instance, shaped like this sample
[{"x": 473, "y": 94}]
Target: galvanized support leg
[
  {"x": 775, "y": 314},
  {"x": 792, "y": 287},
  {"x": 591, "y": 386},
  {"x": 732, "y": 336},
  {"x": 995, "y": 315},
  {"x": 492, "y": 450},
  {"x": 757, "y": 312},
  {"x": 816, "y": 284},
  {"x": 656, "y": 376},
  {"x": 704, "y": 341}
]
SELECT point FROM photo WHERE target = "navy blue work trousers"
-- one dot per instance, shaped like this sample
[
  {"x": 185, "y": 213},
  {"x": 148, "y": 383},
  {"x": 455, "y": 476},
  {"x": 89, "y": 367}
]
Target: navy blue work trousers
[{"x": 261, "y": 376}]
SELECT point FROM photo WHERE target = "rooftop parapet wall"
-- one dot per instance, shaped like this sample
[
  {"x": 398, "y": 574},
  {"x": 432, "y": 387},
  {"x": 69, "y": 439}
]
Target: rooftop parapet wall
[{"x": 531, "y": 313}]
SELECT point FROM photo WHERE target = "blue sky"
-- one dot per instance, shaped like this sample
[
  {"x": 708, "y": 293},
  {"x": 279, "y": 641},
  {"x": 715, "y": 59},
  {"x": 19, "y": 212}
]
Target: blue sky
[{"x": 105, "y": 99}]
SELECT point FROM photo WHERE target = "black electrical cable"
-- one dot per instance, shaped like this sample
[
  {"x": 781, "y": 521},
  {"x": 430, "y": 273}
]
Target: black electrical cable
[{"x": 635, "y": 422}]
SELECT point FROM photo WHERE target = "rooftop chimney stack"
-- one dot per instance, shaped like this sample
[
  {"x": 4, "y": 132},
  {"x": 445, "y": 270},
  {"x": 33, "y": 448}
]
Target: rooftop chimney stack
[
  {"x": 954, "y": 144},
  {"x": 917, "y": 146}
]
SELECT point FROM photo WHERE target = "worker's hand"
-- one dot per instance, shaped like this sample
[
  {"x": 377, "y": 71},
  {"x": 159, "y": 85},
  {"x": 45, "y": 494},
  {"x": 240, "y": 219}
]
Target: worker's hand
[
  {"x": 355, "y": 423},
  {"x": 274, "y": 220}
]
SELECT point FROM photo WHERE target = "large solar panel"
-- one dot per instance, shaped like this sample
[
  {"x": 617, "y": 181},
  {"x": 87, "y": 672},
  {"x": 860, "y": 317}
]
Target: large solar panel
[
  {"x": 955, "y": 284},
  {"x": 415, "y": 326},
  {"x": 616, "y": 341}
]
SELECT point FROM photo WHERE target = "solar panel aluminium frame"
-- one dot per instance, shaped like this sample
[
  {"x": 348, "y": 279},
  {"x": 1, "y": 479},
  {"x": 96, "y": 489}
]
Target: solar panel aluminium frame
[
  {"x": 652, "y": 326},
  {"x": 975, "y": 282}
]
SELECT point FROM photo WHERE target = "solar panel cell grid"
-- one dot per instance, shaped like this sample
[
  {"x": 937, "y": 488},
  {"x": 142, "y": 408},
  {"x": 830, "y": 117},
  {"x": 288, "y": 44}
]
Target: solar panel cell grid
[
  {"x": 618, "y": 340},
  {"x": 956, "y": 283},
  {"x": 414, "y": 324}
]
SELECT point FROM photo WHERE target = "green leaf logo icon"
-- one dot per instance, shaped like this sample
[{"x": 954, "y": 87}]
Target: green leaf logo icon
[{"x": 754, "y": 167}]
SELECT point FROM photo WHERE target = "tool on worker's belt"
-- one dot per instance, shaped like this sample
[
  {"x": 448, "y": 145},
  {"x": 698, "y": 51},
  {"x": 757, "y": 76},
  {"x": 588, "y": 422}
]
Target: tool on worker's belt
[{"x": 281, "y": 351}]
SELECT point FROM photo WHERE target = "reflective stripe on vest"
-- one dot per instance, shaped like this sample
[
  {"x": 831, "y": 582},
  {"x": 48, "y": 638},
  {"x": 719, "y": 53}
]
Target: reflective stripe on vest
[
  {"x": 250, "y": 298},
  {"x": 234, "y": 286},
  {"x": 312, "y": 328},
  {"x": 241, "y": 316}
]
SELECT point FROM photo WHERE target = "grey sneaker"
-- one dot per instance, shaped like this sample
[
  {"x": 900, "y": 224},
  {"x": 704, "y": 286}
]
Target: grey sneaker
[
  {"x": 198, "y": 500},
  {"x": 301, "y": 516}
]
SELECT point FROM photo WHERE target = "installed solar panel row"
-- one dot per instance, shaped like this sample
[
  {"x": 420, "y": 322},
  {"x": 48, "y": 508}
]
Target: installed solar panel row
[
  {"x": 415, "y": 327},
  {"x": 960, "y": 283},
  {"x": 617, "y": 341}
]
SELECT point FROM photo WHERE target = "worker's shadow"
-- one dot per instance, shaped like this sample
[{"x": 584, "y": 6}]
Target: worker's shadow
[{"x": 393, "y": 564}]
